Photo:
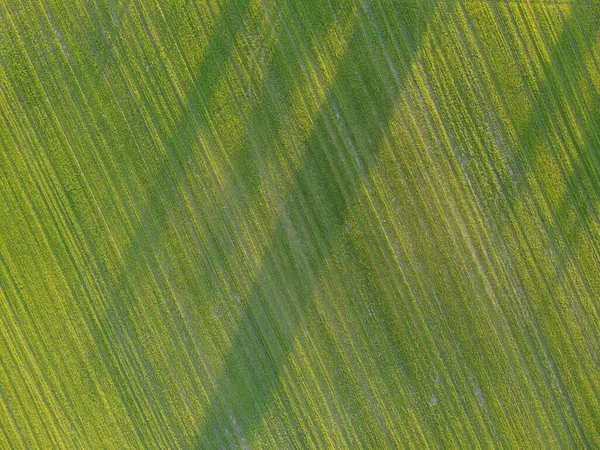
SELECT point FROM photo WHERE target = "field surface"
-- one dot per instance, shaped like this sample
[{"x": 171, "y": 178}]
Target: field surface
[{"x": 277, "y": 224}]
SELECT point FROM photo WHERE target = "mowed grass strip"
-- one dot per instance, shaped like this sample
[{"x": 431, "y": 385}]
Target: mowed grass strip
[{"x": 280, "y": 224}]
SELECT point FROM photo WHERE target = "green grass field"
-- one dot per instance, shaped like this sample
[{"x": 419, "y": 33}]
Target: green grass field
[{"x": 299, "y": 224}]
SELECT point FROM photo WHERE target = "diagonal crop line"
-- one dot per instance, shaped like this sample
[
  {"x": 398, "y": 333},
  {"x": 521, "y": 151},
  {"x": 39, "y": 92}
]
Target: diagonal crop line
[
  {"x": 316, "y": 187},
  {"x": 585, "y": 160},
  {"x": 130, "y": 259},
  {"x": 534, "y": 139},
  {"x": 316, "y": 109},
  {"x": 119, "y": 329},
  {"x": 208, "y": 74},
  {"x": 565, "y": 58},
  {"x": 119, "y": 334}
]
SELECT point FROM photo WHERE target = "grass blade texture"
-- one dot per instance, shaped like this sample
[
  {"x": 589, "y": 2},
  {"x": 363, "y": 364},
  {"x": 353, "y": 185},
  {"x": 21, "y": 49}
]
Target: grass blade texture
[{"x": 277, "y": 224}]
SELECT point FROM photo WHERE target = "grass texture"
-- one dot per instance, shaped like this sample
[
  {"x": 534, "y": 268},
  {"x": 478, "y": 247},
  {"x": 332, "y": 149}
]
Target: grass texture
[{"x": 299, "y": 224}]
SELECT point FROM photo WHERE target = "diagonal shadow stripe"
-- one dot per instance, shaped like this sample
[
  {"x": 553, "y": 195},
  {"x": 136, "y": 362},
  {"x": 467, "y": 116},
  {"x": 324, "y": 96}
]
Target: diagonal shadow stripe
[
  {"x": 154, "y": 216},
  {"x": 115, "y": 332},
  {"x": 166, "y": 296},
  {"x": 554, "y": 87},
  {"x": 315, "y": 188},
  {"x": 118, "y": 333},
  {"x": 558, "y": 74},
  {"x": 346, "y": 140},
  {"x": 562, "y": 62},
  {"x": 581, "y": 186},
  {"x": 584, "y": 177},
  {"x": 564, "y": 68},
  {"x": 122, "y": 330}
]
